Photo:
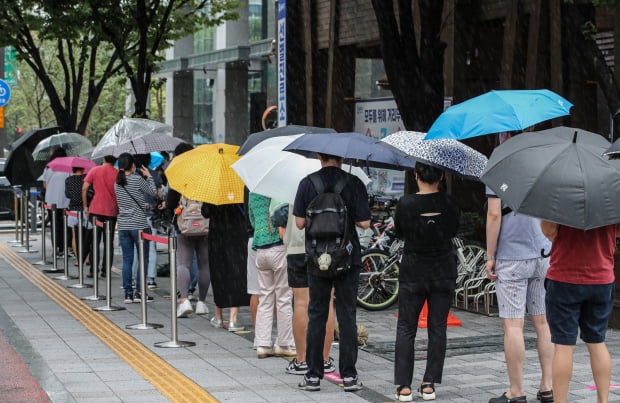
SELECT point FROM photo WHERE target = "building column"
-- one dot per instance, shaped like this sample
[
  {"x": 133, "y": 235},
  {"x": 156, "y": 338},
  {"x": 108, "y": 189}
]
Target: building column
[{"x": 180, "y": 93}]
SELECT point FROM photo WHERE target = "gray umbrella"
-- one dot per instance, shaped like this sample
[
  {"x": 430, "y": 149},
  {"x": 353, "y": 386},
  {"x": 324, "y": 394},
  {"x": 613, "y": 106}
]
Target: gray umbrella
[
  {"x": 255, "y": 138},
  {"x": 559, "y": 175}
]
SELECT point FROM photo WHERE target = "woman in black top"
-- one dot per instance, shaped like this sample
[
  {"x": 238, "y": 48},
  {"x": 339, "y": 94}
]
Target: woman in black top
[{"x": 427, "y": 221}]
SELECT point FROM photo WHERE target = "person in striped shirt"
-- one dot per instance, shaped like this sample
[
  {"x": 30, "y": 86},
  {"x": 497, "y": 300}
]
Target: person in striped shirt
[{"x": 130, "y": 189}]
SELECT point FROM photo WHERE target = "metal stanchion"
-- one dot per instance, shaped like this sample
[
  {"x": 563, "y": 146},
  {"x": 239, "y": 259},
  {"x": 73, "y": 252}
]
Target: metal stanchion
[
  {"x": 66, "y": 275},
  {"x": 16, "y": 207},
  {"x": 80, "y": 255},
  {"x": 43, "y": 260},
  {"x": 55, "y": 268},
  {"x": 108, "y": 271},
  {"x": 172, "y": 260},
  {"x": 93, "y": 265},
  {"x": 26, "y": 227},
  {"x": 144, "y": 324}
]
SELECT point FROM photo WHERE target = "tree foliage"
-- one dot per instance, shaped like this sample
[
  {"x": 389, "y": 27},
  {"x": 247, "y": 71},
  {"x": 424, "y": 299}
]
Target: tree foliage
[
  {"x": 84, "y": 62},
  {"x": 140, "y": 30}
]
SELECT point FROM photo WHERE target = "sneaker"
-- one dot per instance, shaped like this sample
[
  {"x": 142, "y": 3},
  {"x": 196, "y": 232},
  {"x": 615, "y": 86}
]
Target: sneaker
[
  {"x": 502, "y": 399},
  {"x": 137, "y": 298},
  {"x": 310, "y": 384},
  {"x": 328, "y": 366},
  {"x": 128, "y": 298},
  {"x": 201, "y": 308},
  {"x": 431, "y": 396},
  {"x": 288, "y": 352},
  {"x": 191, "y": 296},
  {"x": 352, "y": 384},
  {"x": 235, "y": 327},
  {"x": 216, "y": 322},
  {"x": 152, "y": 285},
  {"x": 264, "y": 352},
  {"x": 184, "y": 309},
  {"x": 297, "y": 368}
]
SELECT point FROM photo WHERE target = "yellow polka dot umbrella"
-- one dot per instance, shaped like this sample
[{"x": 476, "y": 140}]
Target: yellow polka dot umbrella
[{"x": 204, "y": 174}]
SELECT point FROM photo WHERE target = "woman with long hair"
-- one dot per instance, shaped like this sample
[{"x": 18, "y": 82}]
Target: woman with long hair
[
  {"x": 130, "y": 190},
  {"x": 427, "y": 221}
]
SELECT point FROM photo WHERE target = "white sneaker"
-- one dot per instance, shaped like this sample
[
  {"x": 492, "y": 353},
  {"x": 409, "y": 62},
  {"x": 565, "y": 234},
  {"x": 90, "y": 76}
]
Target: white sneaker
[
  {"x": 201, "y": 308},
  {"x": 184, "y": 309}
]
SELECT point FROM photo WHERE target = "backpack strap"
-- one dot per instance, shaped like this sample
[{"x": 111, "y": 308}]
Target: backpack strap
[
  {"x": 342, "y": 182},
  {"x": 317, "y": 182}
]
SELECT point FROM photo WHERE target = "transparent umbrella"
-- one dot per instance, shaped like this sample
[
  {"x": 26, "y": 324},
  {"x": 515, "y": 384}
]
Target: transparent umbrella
[{"x": 73, "y": 143}]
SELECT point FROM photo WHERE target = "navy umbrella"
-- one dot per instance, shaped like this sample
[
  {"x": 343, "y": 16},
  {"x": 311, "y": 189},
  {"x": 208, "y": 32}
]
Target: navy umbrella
[
  {"x": 559, "y": 175},
  {"x": 355, "y": 149},
  {"x": 255, "y": 138}
]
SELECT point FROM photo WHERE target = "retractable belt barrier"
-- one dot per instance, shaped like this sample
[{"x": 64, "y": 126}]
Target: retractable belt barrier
[
  {"x": 93, "y": 262},
  {"x": 108, "y": 266},
  {"x": 80, "y": 250},
  {"x": 65, "y": 250},
  {"x": 43, "y": 261},
  {"x": 25, "y": 228},
  {"x": 16, "y": 208},
  {"x": 172, "y": 261},
  {"x": 142, "y": 273}
]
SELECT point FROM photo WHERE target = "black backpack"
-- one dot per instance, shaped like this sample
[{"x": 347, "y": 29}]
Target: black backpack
[{"x": 328, "y": 230}]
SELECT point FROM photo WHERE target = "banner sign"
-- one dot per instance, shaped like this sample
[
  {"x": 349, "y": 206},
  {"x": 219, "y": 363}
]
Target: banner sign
[{"x": 282, "y": 112}]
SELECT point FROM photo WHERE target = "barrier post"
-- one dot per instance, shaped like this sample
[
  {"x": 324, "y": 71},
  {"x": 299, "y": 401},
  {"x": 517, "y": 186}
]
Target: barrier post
[
  {"x": 33, "y": 211},
  {"x": 16, "y": 215},
  {"x": 55, "y": 268},
  {"x": 141, "y": 272},
  {"x": 108, "y": 271},
  {"x": 172, "y": 260},
  {"x": 43, "y": 260},
  {"x": 66, "y": 275},
  {"x": 26, "y": 227},
  {"x": 80, "y": 255},
  {"x": 93, "y": 265}
]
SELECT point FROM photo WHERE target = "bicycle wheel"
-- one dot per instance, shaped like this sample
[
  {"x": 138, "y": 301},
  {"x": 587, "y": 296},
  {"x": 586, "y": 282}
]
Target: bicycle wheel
[{"x": 378, "y": 283}]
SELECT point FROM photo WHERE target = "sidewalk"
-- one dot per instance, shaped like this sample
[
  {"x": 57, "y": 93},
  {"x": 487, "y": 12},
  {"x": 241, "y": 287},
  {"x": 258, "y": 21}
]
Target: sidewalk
[{"x": 81, "y": 355}]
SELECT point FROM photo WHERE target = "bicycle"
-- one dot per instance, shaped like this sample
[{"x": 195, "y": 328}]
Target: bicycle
[{"x": 378, "y": 282}]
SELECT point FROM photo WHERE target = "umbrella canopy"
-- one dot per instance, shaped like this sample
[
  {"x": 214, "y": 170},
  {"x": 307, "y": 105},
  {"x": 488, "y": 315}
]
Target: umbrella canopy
[
  {"x": 613, "y": 152},
  {"x": 20, "y": 167},
  {"x": 204, "y": 174},
  {"x": 559, "y": 175},
  {"x": 448, "y": 154},
  {"x": 355, "y": 149},
  {"x": 255, "y": 138},
  {"x": 73, "y": 143},
  {"x": 66, "y": 164},
  {"x": 498, "y": 111},
  {"x": 269, "y": 171},
  {"x": 136, "y": 136}
]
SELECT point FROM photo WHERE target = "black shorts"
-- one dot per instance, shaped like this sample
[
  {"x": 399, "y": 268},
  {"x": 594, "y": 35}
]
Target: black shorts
[{"x": 297, "y": 271}]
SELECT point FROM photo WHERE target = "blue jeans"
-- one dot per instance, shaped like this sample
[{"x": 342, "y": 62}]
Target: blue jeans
[
  {"x": 128, "y": 239},
  {"x": 318, "y": 308}
]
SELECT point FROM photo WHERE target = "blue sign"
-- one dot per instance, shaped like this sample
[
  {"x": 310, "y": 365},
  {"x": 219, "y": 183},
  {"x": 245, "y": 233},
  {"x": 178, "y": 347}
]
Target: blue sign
[
  {"x": 5, "y": 93},
  {"x": 282, "y": 112}
]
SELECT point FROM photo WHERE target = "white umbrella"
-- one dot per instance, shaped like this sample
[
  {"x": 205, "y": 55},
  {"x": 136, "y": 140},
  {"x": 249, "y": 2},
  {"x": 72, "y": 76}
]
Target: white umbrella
[
  {"x": 136, "y": 136},
  {"x": 269, "y": 171}
]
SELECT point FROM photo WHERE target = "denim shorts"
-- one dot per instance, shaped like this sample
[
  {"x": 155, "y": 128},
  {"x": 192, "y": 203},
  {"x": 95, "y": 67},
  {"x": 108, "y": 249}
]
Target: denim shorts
[
  {"x": 583, "y": 307},
  {"x": 297, "y": 270}
]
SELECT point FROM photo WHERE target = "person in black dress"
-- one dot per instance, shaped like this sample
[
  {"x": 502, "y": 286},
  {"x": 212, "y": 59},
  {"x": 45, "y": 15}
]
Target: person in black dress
[{"x": 427, "y": 221}]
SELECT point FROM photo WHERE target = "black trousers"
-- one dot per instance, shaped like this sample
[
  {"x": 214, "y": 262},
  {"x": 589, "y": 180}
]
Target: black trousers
[
  {"x": 101, "y": 264},
  {"x": 411, "y": 298}
]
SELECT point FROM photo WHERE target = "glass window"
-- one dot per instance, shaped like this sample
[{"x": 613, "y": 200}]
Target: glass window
[{"x": 203, "y": 111}]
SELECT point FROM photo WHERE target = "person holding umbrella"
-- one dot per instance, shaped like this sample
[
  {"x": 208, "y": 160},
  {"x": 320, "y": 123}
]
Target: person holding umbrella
[
  {"x": 514, "y": 262},
  {"x": 427, "y": 221},
  {"x": 54, "y": 185},
  {"x": 580, "y": 295}
]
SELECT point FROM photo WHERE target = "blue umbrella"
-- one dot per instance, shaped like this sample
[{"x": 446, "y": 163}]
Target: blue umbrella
[
  {"x": 498, "y": 111},
  {"x": 355, "y": 149}
]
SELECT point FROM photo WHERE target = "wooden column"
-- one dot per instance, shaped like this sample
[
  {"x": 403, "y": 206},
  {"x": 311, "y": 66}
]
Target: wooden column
[
  {"x": 510, "y": 39},
  {"x": 333, "y": 43},
  {"x": 555, "y": 50},
  {"x": 308, "y": 31},
  {"x": 533, "y": 44}
]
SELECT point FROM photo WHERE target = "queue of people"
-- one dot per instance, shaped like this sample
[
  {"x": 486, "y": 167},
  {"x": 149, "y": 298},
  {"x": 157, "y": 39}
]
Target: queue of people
[{"x": 268, "y": 268}]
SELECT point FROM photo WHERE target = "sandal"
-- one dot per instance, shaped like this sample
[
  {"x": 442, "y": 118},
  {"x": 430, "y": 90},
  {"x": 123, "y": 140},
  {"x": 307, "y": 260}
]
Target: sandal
[
  {"x": 404, "y": 397},
  {"x": 545, "y": 397},
  {"x": 427, "y": 395}
]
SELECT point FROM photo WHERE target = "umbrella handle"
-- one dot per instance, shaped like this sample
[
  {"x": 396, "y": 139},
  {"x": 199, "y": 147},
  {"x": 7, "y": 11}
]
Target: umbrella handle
[{"x": 543, "y": 254}]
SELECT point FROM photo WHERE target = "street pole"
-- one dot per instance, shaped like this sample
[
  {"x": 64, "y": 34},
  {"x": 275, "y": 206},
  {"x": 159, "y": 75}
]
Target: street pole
[{"x": 2, "y": 117}]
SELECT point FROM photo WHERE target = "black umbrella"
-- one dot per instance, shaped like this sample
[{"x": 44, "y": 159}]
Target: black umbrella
[
  {"x": 559, "y": 175},
  {"x": 20, "y": 167},
  {"x": 255, "y": 138}
]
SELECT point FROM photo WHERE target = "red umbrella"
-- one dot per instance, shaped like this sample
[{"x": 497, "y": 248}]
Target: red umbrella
[{"x": 66, "y": 164}]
